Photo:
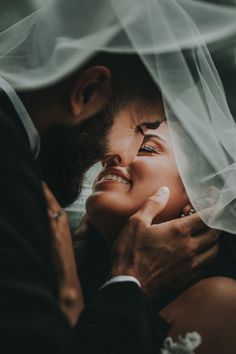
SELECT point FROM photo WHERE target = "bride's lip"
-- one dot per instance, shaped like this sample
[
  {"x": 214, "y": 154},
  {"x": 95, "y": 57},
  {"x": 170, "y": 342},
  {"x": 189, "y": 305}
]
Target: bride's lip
[{"x": 116, "y": 172}]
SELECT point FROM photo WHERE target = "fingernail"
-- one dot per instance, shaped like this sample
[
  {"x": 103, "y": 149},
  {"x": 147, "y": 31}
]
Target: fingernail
[{"x": 163, "y": 191}]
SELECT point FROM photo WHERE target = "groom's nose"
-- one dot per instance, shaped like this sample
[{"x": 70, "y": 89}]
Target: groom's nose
[
  {"x": 122, "y": 159},
  {"x": 127, "y": 156},
  {"x": 124, "y": 153}
]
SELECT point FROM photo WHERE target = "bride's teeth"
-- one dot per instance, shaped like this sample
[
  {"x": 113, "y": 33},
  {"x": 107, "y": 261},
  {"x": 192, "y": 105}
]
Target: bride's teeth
[{"x": 114, "y": 178}]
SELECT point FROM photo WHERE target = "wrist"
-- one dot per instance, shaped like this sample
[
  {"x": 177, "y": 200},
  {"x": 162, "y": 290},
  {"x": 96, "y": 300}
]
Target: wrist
[{"x": 120, "y": 279}]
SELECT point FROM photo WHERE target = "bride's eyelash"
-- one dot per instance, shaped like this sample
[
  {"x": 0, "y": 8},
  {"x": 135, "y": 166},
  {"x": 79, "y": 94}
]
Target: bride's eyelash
[{"x": 149, "y": 148}]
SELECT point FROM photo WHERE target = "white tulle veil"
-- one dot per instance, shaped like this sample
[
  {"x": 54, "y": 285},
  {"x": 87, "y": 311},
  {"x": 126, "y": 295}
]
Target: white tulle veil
[{"x": 53, "y": 38}]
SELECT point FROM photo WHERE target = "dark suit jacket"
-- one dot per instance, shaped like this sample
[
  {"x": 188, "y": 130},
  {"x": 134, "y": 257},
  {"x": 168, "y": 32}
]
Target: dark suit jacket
[{"x": 119, "y": 320}]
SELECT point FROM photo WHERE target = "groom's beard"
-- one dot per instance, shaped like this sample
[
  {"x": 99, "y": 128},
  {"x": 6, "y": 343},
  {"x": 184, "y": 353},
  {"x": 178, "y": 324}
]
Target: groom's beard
[{"x": 68, "y": 152}]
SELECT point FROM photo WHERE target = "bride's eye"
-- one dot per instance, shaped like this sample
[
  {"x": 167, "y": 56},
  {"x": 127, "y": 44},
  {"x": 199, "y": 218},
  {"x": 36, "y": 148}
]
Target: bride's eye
[{"x": 149, "y": 148}]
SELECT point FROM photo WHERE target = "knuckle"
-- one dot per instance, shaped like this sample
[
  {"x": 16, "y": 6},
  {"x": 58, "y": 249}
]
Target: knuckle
[
  {"x": 212, "y": 236},
  {"x": 174, "y": 228},
  {"x": 179, "y": 229},
  {"x": 63, "y": 218},
  {"x": 136, "y": 221},
  {"x": 190, "y": 248},
  {"x": 64, "y": 225},
  {"x": 63, "y": 213},
  {"x": 183, "y": 227},
  {"x": 216, "y": 234},
  {"x": 185, "y": 231},
  {"x": 215, "y": 250}
]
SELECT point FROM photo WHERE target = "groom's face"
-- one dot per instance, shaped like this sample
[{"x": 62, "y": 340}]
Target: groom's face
[{"x": 68, "y": 152}]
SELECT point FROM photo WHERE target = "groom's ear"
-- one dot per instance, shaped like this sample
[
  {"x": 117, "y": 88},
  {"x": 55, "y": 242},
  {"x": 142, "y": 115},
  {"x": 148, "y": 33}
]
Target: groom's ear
[{"x": 90, "y": 92}]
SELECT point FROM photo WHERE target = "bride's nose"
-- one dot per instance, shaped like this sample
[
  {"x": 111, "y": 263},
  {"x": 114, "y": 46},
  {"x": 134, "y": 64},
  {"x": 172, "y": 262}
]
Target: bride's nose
[{"x": 111, "y": 161}]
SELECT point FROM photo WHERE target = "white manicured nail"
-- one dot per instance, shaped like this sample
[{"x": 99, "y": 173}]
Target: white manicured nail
[{"x": 163, "y": 191}]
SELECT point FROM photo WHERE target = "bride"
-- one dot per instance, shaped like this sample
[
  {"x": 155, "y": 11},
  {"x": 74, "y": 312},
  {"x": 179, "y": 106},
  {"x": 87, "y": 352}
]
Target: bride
[{"x": 208, "y": 306}]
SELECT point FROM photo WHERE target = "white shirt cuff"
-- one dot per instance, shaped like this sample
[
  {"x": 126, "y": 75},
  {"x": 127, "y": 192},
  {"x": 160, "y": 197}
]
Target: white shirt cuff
[{"x": 121, "y": 278}]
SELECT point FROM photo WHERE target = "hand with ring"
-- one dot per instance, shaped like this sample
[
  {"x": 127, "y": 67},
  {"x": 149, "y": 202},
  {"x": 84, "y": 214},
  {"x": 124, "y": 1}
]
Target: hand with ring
[{"x": 69, "y": 289}]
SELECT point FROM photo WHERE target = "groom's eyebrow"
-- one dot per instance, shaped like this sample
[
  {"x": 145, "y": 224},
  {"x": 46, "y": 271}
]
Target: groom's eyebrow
[{"x": 151, "y": 125}]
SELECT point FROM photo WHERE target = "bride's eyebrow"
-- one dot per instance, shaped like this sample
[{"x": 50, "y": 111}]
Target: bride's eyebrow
[{"x": 149, "y": 136}]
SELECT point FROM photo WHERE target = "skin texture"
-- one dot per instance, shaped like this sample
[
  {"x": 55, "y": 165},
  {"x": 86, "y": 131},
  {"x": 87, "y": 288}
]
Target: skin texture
[
  {"x": 112, "y": 203},
  {"x": 208, "y": 307}
]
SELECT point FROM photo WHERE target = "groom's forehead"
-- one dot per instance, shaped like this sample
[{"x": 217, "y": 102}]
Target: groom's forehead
[
  {"x": 137, "y": 113},
  {"x": 149, "y": 114}
]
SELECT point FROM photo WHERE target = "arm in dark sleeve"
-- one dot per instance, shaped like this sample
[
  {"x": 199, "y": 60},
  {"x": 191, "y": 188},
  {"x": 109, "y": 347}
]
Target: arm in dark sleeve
[
  {"x": 30, "y": 320},
  {"x": 126, "y": 322},
  {"x": 120, "y": 320}
]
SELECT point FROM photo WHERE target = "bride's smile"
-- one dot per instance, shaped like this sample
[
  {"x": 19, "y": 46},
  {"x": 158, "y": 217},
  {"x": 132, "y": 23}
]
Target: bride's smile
[{"x": 115, "y": 174}]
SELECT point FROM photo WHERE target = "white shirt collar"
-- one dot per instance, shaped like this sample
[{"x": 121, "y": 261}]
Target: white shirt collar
[{"x": 27, "y": 122}]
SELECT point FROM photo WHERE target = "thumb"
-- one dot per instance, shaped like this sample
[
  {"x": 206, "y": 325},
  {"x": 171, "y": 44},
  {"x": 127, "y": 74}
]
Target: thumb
[{"x": 154, "y": 205}]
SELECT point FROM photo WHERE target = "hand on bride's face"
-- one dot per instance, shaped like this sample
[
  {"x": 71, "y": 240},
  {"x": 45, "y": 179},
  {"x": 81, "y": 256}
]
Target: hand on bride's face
[{"x": 120, "y": 191}]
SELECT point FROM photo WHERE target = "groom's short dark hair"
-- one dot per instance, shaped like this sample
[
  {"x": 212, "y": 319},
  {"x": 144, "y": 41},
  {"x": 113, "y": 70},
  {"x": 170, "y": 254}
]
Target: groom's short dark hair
[{"x": 130, "y": 79}]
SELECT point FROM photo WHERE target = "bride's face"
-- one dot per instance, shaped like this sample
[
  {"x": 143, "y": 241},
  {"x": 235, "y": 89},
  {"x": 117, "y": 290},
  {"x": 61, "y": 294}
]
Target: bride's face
[{"x": 121, "y": 191}]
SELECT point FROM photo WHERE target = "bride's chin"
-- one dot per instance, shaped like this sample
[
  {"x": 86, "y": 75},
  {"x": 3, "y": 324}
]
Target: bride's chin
[
  {"x": 106, "y": 204},
  {"x": 108, "y": 221}
]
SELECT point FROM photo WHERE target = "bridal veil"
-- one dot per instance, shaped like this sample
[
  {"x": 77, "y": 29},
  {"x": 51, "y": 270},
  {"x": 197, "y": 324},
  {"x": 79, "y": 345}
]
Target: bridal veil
[{"x": 172, "y": 37}]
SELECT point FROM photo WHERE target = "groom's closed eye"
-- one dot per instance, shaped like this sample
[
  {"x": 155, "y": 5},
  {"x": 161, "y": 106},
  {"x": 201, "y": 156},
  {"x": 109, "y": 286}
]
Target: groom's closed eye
[{"x": 147, "y": 126}]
